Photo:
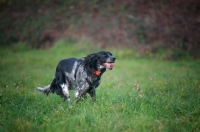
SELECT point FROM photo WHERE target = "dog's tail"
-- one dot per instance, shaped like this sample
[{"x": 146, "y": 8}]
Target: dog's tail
[{"x": 45, "y": 90}]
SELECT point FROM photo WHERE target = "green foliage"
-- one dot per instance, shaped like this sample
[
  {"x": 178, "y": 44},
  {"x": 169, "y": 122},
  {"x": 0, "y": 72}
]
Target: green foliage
[
  {"x": 117, "y": 23},
  {"x": 137, "y": 95}
]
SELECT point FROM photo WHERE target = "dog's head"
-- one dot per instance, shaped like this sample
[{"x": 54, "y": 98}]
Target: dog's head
[
  {"x": 100, "y": 61},
  {"x": 105, "y": 60}
]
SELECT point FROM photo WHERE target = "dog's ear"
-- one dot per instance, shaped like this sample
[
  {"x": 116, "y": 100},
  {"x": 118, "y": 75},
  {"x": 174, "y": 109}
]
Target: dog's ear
[{"x": 91, "y": 60}]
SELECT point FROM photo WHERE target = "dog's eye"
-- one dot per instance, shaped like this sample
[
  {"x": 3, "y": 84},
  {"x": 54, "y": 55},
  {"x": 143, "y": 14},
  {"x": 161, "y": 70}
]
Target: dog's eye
[{"x": 104, "y": 55}]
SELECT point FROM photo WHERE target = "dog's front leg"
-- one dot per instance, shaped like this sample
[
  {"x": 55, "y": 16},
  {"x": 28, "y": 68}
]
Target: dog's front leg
[
  {"x": 81, "y": 92},
  {"x": 78, "y": 94},
  {"x": 93, "y": 94}
]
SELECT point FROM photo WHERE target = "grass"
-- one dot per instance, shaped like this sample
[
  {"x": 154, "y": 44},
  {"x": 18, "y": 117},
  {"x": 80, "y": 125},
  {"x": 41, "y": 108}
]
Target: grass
[{"x": 137, "y": 95}]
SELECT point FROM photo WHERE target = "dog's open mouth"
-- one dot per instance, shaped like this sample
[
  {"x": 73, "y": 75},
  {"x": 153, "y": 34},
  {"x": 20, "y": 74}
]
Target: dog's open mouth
[{"x": 109, "y": 65}]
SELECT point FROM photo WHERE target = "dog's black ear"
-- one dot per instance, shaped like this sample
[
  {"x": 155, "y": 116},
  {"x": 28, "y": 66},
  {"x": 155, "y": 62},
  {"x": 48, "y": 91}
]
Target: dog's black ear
[{"x": 91, "y": 60}]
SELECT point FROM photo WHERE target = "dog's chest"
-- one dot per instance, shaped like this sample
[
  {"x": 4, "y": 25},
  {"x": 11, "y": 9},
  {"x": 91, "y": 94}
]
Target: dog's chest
[{"x": 93, "y": 82}]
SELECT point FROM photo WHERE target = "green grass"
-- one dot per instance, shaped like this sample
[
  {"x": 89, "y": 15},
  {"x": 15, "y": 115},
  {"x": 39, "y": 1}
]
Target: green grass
[{"x": 137, "y": 95}]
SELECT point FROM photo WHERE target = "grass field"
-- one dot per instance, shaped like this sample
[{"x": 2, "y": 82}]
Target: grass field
[{"x": 137, "y": 95}]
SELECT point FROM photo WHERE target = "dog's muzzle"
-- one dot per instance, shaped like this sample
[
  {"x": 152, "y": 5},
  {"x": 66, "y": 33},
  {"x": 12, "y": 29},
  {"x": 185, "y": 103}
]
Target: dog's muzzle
[{"x": 109, "y": 64}]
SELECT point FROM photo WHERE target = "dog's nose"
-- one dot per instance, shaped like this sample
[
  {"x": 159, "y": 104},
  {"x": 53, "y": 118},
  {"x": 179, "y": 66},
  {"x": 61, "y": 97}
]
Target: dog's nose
[{"x": 113, "y": 58}]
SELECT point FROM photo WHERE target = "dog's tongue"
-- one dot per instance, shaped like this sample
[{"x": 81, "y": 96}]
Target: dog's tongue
[{"x": 109, "y": 65}]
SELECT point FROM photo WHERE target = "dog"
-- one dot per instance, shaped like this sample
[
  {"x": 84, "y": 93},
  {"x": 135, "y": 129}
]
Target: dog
[{"x": 81, "y": 75}]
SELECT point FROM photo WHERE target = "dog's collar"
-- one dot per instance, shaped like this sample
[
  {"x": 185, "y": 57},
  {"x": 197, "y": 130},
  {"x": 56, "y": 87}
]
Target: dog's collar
[{"x": 97, "y": 73}]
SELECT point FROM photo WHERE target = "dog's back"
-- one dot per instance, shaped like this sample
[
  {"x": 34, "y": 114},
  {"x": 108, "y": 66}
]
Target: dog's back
[{"x": 66, "y": 65}]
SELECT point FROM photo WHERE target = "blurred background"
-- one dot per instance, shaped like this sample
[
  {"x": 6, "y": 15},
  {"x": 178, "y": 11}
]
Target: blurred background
[{"x": 170, "y": 27}]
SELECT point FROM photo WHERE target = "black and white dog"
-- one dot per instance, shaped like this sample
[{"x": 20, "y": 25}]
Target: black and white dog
[{"x": 81, "y": 75}]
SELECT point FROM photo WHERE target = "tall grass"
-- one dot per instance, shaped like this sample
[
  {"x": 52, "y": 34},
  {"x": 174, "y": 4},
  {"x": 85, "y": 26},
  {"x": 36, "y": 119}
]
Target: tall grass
[{"x": 137, "y": 95}]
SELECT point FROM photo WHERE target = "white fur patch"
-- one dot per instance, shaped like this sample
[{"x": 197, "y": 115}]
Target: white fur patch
[
  {"x": 76, "y": 94},
  {"x": 65, "y": 89}
]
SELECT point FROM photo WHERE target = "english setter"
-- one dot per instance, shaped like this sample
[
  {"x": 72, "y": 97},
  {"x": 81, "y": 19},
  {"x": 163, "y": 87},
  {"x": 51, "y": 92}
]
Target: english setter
[{"x": 81, "y": 75}]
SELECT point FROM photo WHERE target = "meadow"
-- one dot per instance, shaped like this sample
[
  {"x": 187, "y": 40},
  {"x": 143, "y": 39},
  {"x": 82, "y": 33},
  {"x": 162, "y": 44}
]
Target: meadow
[{"x": 138, "y": 95}]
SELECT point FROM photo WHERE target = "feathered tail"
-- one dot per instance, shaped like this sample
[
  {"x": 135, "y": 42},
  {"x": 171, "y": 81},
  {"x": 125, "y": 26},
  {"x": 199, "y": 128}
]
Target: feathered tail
[{"x": 45, "y": 90}]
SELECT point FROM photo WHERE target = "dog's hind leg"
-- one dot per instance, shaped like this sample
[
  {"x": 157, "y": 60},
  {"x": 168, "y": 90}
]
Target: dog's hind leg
[
  {"x": 65, "y": 90},
  {"x": 44, "y": 90}
]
